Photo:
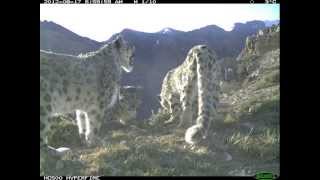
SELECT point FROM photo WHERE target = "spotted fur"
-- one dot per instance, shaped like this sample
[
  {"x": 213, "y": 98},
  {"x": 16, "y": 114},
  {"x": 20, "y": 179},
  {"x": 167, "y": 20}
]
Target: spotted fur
[
  {"x": 190, "y": 93},
  {"x": 86, "y": 84}
]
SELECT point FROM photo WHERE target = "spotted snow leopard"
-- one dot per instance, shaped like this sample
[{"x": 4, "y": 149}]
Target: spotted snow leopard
[
  {"x": 190, "y": 93},
  {"x": 87, "y": 83}
]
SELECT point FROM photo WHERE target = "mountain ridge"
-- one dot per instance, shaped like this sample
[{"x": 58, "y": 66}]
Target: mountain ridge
[{"x": 54, "y": 37}]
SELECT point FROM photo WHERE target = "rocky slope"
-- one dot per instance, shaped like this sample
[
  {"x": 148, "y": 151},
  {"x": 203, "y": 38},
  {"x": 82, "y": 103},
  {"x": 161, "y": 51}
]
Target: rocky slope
[
  {"x": 252, "y": 100},
  {"x": 256, "y": 71}
]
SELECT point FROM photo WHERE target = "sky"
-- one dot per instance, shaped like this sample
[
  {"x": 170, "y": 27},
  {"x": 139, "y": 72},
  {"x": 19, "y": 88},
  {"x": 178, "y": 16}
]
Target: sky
[{"x": 100, "y": 21}]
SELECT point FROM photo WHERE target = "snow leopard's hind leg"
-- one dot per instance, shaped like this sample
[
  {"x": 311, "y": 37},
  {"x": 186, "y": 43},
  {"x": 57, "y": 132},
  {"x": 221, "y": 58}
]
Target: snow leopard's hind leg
[
  {"x": 187, "y": 97},
  {"x": 174, "y": 108}
]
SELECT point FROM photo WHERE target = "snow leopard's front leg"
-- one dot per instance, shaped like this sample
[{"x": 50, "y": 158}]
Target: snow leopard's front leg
[
  {"x": 92, "y": 121},
  {"x": 81, "y": 123}
]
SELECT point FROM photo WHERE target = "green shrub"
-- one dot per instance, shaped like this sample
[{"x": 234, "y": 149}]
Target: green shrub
[{"x": 64, "y": 134}]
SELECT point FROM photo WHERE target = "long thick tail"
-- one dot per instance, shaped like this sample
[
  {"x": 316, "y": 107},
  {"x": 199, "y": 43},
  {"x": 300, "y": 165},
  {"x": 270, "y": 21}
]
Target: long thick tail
[{"x": 208, "y": 90}]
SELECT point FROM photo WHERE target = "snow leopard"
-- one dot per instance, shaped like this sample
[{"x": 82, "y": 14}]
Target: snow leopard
[
  {"x": 190, "y": 93},
  {"x": 88, "y": 83}
]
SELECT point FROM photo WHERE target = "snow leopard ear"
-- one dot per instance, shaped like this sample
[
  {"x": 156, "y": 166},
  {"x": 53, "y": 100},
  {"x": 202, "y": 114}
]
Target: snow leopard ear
[
  {"x": 120, "y": 36},
  {"x": 119, "y": 39},
  {"x": 117, "y": 42}
]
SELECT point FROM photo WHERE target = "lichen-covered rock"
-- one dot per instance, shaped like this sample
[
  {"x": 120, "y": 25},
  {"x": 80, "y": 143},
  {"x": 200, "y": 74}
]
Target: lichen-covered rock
[
  {"x": 259, "y": 74},
  {"x": 264, "y": 41},
  {"x": 260, "y": 54}
]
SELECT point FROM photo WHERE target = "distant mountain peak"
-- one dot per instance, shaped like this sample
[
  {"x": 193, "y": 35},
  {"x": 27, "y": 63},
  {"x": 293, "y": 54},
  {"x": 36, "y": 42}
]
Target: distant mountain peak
[
  {"x": 209, "y": 28},
  {"x": 168, "y": 30},
  {"x": 56, "y": 38},
  {"x": 127, "y": 30},
  {"x": 213, "y": 26},
  {"x": 255, "y": 24}
]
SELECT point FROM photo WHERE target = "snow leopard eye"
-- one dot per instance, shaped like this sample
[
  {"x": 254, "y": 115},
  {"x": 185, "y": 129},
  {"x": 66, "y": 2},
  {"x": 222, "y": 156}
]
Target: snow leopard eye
[{"x": 203, "y": 47}]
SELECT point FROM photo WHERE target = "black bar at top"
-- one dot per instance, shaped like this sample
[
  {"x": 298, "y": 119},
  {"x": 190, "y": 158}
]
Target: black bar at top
[{"x": 155, "y": 1}]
